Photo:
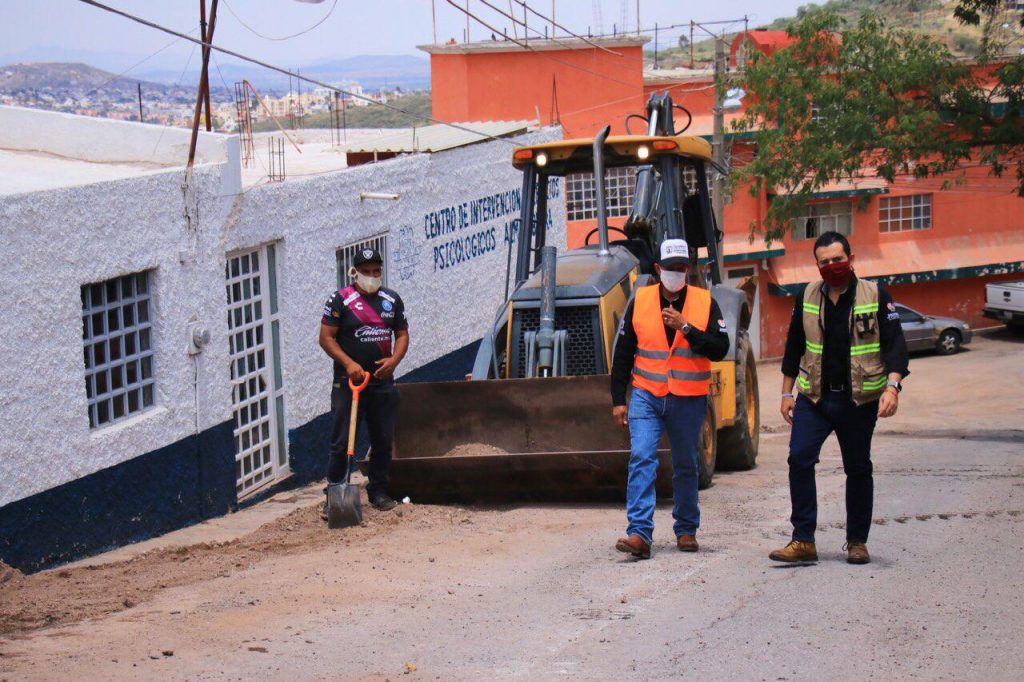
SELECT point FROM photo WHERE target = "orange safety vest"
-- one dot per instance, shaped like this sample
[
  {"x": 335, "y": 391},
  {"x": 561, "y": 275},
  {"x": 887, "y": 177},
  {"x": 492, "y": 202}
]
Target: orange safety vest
[{"x": 657, "y": 368}]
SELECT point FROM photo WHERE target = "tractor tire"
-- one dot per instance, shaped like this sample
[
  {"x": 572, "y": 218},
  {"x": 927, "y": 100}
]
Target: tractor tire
[
  {"x": 707, "y": 449},
  {"x": 737, "y": 444}
]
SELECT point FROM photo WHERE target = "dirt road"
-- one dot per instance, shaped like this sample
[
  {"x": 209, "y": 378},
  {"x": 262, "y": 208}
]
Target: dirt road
[{"x": 536, "y": 592}]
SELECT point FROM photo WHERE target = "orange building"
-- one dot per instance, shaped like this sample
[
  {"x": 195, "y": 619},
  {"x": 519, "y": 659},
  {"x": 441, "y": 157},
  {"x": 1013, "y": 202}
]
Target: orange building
[
  {"x": 934, "y": 246},
  {"x": 564, "y": 81}
]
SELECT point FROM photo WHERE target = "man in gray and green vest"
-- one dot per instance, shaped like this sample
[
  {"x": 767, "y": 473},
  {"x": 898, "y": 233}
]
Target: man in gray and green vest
[{"x": 846, "y": 356}]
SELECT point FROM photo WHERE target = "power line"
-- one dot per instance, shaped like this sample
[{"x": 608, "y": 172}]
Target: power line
[
  {"x": 286, "y": 72},
  {"x": 557, "y": 25},
  {"x": 288, "y": 37},
  {"x": 163, "y": 129},
  {"x": 531, "y": 49},
  {"x": 526, "y": 28},
  {"x": 135, "y": 65}
]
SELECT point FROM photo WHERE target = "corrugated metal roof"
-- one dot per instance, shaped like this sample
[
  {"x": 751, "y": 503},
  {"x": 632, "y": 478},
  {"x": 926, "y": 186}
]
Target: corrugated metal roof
[{"x": 435, "y": 138}]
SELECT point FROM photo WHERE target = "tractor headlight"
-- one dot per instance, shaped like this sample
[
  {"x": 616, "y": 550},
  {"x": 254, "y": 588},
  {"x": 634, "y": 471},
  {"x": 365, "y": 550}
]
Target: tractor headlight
[
  {"x": 542, "y": 159},
  {"x": 642, "y": 152}
]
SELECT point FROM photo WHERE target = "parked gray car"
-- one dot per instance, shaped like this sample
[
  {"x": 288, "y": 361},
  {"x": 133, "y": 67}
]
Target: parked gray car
[{"x": 945, "y": 335}]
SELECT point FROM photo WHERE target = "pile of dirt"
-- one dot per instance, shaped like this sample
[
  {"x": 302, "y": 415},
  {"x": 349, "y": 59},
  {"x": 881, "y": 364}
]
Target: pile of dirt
[
  {"x": 474, "y": 450},
  {"x": 9, "y": 576},
  {"x": 74, "y": 593}
]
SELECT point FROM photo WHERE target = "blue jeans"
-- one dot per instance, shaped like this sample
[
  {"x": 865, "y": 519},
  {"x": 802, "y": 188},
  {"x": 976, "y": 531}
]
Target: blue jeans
[
  {"x": 682, "y": 417},
  {"x": 854, "y": 425}
]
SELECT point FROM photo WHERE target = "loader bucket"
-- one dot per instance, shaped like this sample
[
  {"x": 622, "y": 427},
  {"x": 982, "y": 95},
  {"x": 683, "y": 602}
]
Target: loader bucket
[{"x": 511, "y": 440}]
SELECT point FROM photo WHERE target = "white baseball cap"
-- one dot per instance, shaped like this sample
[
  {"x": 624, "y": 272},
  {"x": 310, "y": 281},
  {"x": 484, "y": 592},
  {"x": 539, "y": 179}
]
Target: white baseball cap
[{"x": 674, "y": 252}]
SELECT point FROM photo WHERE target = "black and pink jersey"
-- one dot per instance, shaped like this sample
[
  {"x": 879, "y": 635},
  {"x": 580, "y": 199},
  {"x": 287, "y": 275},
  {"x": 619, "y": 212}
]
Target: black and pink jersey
[{"x": 365, "y": 325}]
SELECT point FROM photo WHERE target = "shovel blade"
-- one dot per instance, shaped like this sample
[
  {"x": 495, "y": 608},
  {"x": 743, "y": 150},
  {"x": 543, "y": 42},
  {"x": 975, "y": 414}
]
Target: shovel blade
[{"x": 344, "y": 508}]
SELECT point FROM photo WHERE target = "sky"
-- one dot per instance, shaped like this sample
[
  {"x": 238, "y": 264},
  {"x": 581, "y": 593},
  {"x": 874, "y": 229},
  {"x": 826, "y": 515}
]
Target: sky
[{"x": 54, "y": 30}]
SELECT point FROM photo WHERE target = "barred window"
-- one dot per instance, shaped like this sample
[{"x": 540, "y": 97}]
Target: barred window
[
  {"x": 819, "y": 218},
  {"x": 118, "y": 348},
  {"x": 690, "y": 181},
  {"x": 581, "y": 193},
  {"x": 901, "y": 214},
  {"x": 346, "y": 258},
  {"x": 816, "y": 116}
]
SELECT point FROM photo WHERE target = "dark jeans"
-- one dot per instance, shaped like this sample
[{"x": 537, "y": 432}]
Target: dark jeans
[
  {"x": 854, "y": 426},
  {"x": 378, "y": 405}
]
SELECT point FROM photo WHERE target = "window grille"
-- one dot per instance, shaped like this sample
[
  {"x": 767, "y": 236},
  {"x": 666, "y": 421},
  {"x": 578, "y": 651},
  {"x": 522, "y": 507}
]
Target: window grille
[
  {"x": 902, "y": 214},
  {"x": 816, "y": 116},
  {"x": 117, "y": 345},
  {"x": 690, "y": 181},
  {"x": 581, "y": 193},
  {"x": 346, "y": 257},
  {"x": 819, "y": 218}
]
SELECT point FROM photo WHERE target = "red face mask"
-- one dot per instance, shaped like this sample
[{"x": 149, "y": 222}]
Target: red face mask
[{"x": 837, "y": 275}]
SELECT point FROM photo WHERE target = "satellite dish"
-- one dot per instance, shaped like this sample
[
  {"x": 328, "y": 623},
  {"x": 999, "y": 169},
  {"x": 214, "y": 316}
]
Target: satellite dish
[{"x": 684, "y": 42}]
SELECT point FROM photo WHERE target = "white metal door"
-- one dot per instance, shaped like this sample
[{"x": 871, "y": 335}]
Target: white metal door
[{"x": 255, "y": 379}]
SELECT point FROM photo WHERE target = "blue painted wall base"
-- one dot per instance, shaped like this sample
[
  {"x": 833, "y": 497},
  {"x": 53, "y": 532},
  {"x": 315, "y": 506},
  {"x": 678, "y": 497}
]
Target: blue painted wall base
[
  {"x": 167, "y": 489},
  {"x": 160, "y": 491}
]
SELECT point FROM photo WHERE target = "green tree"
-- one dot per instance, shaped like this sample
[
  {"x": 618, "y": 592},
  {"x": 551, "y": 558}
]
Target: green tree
[{"x": 849, "y": 101}]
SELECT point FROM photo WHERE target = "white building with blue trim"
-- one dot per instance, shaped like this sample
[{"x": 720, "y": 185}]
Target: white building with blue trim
[{"x": 159, "y": 355}]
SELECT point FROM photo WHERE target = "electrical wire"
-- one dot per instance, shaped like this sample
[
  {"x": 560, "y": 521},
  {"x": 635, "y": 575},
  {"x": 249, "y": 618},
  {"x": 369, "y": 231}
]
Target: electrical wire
[
  {"x": 136, "y": 65},
  {"x": 526, "y": 46},
  {"x": 526, "y": 28},
  {"x": 288, "y": 37},
  {"x": 286, "y": 72},
  {"x": 163, "y": 129},
  {"x": 556, "y": 25}
]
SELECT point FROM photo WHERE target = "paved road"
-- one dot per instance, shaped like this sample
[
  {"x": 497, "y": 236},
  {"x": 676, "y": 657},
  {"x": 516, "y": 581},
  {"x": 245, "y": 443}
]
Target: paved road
[{"x": 537, "y": 593}]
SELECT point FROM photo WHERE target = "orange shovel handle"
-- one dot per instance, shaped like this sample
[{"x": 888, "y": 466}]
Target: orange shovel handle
[{"x": 356, "y": 390}]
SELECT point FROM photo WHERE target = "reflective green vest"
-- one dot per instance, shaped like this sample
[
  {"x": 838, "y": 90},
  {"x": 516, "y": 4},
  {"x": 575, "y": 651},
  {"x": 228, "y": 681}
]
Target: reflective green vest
[{"x": 868, "y": 377}]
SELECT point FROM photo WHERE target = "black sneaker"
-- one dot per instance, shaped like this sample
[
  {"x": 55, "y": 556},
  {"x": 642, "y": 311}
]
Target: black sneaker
[{"x": 383, "y": 502}]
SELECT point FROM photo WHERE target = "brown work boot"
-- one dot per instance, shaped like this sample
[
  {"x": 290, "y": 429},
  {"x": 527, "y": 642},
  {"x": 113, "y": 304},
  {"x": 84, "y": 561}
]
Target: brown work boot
[
  {"x": 634, "y": 545},
  {"x": 795, "y": 552},
  {"x": 857, "y": 553},
  {"x": 687, "y": 543}
]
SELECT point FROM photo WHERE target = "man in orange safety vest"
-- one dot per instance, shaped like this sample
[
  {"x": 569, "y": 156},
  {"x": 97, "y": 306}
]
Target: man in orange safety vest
[{"x": 669, "y": 335}]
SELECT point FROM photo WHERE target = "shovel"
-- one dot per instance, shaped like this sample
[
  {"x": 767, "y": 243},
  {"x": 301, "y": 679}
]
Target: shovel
[{"x": 343, "y": 506}]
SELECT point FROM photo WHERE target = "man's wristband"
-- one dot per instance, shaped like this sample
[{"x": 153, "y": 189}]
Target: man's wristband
[{"x": 789, "y": 395}]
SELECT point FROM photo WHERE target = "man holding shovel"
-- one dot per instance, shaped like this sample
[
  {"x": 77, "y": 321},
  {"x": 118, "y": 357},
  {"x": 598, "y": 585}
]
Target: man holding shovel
[{"x": 364, "y": 330}]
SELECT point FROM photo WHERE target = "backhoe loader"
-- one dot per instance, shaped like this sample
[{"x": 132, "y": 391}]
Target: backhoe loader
[{"x": 534, "y": 422}]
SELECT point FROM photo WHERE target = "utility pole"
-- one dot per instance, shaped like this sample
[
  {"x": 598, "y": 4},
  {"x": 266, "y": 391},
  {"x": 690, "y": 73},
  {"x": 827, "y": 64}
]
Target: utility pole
[
  {"x": 206, "y": 80},
  {"x": 140, "y": 102},
  {"x": 655, "y": 45},
  {"x": 718, "y": 143},
  {"x": 204, "y": 83}
]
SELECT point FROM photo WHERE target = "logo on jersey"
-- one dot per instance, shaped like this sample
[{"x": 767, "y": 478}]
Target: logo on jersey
[
  {"x": 387, "y": 305},
  {"x": 721, "y": 325},
  {"x": 368, "y": 334}
]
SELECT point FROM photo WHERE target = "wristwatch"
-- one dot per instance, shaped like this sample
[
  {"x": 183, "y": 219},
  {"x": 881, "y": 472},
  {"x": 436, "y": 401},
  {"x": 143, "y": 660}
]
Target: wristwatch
[
  {"x": 895, "y": 384},
  {"x": 685, "y": 329}
]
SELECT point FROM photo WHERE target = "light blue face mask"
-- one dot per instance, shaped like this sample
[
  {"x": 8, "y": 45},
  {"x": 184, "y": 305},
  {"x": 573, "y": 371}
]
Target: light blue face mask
[{"x": 673, "y": 281}]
